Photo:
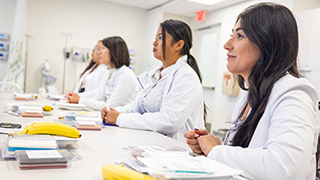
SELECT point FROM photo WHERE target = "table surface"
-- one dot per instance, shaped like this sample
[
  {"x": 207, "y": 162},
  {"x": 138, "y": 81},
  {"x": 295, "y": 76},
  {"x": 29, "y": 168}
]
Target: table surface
[{"x": 96, "y": 148}]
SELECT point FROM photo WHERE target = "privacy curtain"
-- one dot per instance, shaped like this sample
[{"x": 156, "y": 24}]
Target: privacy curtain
[{"x": 16, "y": 61}]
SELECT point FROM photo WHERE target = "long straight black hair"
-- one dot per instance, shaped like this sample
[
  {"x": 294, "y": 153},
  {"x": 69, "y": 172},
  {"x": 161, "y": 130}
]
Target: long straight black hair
[
  {"x": 119, "y": 53},
  {"x": 179, "y": 30},
  {"x": 90, "y": 65},
  {"x": 273, "y": 29}
]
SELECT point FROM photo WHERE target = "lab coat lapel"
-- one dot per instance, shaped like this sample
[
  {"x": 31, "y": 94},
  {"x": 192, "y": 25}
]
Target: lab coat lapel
[{"x": 173, "y": 71}]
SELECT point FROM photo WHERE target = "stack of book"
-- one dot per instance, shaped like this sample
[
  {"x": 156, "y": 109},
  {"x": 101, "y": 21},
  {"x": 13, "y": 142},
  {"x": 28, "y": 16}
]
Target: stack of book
[
  {"x": 25, "y": 97},
  {"x": 43, "y": 159},
  {"x": 30, "y": 142},
  {"x": 72, "y": 107},
  {"x": 87, "y": 125},
  {"x": 176, "y": 163},
  {"x": 31, "y": 110}
]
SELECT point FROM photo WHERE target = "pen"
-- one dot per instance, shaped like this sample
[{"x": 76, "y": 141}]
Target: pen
[
  {"x": 106, "y": 124},
  {"x": 188, "y": 171},
  {"x": 107, "y": 105}
]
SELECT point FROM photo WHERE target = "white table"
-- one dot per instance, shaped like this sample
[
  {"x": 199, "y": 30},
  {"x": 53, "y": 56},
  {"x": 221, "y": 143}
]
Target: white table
[{"x": 97, "y": 148}]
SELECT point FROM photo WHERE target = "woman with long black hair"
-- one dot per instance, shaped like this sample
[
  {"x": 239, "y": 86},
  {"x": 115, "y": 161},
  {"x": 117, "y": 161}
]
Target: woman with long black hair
[
  {"x": 274, "y": 127},
  {"x": 90, "y": 75},
  {"x": 171, "y": 100},
  {"x": 118, "y": 85}
]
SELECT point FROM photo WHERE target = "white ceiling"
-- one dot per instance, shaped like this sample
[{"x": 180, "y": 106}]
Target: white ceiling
[{"x": 179, "y": 7}]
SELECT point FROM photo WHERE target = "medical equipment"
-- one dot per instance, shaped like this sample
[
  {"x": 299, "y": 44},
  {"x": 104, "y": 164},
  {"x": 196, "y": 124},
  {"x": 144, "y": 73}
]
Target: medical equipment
[
  {"x": 47, "y": 78},
  {"x": 4, "y": 36},
  {"x": 4, "y": 46},
  {"x": 3, "y": 55},
  {"x": 67, "y": 52}
]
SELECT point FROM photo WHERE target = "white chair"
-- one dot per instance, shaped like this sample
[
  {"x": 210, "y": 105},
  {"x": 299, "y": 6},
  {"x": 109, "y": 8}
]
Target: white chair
[{"x": 11, "y": 87}]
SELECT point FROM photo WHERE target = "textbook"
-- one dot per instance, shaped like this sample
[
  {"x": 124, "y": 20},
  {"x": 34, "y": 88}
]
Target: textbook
[
  {"x": 66, "y": 142},
  {"x": 87, "y": 125},
  {"x": 30, "y": 142},
  {"x": 25, "y": 97},
  {"x": 70, "y": 106},
  {"x": 30, "y": 108},
  {"x": 43, "y": 159},
  {"x": 31, "y": 114},
  {"x": 180, "y": 168},
  {"x": 176, "y": 163},
  {"x": 156, "y": 151}
]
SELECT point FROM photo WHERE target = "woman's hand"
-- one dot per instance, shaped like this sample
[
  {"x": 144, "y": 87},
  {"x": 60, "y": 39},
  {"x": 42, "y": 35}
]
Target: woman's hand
[
  {"x": 104, "y": 113},
  {"x": 73, "y": 98},
  {"x": 192, "y": 139},
  {"x": 207, "y": 142},
  {"x": 110, "y": 116}
]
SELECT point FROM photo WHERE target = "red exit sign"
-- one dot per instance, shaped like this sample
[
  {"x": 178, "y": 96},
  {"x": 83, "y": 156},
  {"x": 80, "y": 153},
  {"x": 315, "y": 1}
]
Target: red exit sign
[{"x": 200, "y": 15}]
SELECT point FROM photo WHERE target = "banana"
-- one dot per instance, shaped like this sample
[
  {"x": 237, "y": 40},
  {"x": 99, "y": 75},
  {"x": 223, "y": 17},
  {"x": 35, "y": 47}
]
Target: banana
[
  {"x": 117, "y": 172},
  {"x": 51, "y": 128},
  {"x": 47, "y": 108}
]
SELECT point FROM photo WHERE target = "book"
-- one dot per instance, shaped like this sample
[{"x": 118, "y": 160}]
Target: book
[
  {"x": 156, "y": 151},
  {"x": 66, "y": 142},
  {"x": 87, "y": 125},
  {"x": 21, "y": 98},
  {"x": 70, "y": 106},
  {"x": 31, "y": 114},
  {"x": 190, "y": 167},
  {"x": 30, "y": 108},
  {"x": 176, "y": 163},
  {"x": 57, "y": 97},
  {"x": 43, "y": 159},
  {"x": 30, "y": 142},
  {"x": 25, "y": 97}
]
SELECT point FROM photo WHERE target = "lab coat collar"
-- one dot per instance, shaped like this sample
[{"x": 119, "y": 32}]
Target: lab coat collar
[{"x": 175, "y": 67}]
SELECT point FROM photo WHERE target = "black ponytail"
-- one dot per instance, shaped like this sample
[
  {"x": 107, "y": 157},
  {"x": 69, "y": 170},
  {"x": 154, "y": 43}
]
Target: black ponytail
[
  {"x": 181, "y": 31},
  {"x": 193, "y": 63}
]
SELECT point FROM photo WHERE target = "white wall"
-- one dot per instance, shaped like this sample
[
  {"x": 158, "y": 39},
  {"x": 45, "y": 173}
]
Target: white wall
[
  {"x": 154, "y": 18},
  {"x": 87, "y": 21},
  {"x": 185, "y": 19},
  {"x": 7, "y": 11},
  {"x": 309, "y": 38},
  {"x": 221, "y": 106},
  {"x": 303, "y": 5}
]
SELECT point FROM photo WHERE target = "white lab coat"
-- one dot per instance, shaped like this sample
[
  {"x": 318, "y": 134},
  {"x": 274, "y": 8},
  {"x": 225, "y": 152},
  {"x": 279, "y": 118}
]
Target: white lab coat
[
  {"x": 283, "y": 145},
  {"x": 76, "y": 90},
  {"x": 121, "y": 91},
  {"x": 94, "y": 83},
  {"x": 181, "y": 109}
]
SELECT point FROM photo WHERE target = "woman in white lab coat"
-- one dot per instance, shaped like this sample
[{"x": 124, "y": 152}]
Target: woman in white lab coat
[
  {"x": 118, "y": 85},
  {"x": 171, "y": 100},
  {"x": 274, "y": 127},
  {"x": 86, "y": 76}
]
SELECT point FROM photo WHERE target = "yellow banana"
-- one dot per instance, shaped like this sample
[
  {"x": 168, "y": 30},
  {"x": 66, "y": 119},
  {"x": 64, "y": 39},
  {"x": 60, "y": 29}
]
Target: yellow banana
[
  {"x": 52, "y": 128},
  {"x": 117, "y": 172},
  {"x": 47, "y": 108}
]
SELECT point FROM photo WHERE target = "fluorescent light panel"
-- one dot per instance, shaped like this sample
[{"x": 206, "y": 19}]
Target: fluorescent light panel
[{"x": 207, "y": 2}]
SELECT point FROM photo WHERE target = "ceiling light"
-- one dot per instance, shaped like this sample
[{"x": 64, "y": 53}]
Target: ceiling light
[{"x": 207, "y": 2}]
